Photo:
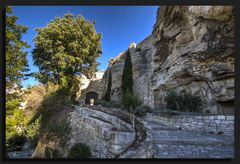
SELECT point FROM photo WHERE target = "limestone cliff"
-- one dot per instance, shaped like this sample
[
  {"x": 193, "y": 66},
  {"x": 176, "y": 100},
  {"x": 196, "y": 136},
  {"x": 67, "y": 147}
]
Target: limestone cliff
[{"x": 191, "y": 48}]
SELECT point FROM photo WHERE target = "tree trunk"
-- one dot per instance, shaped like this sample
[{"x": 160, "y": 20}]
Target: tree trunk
[{"x": 51, "y": 153}]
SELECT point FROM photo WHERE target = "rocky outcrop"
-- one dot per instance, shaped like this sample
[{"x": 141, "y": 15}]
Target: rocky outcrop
[{"x": 191, "y": 48}]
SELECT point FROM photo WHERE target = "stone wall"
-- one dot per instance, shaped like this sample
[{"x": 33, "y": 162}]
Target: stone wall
[
  {"x": 219, "y": 124},
  {"x": 145, "y": 149},
  {"x": 96, "y": 84},
  {"x": 106, "y": 135}
]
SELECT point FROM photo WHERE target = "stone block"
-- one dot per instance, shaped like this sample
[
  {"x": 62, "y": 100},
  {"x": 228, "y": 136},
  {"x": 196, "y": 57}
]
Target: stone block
[
  {"x": 120, "y": 138},
  {"x": 231, "y": 118},
  {"x": 221, "y": 117}
]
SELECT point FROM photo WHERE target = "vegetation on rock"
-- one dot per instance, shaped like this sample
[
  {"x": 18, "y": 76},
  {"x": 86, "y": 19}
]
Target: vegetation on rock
[
  {"x": 56, "y": 137},
  {"x": 131, "y": 101},
  {"x": 142, "y": 110},
  {"x": 110, "y": 104},
  {"x": 183, "y": 102},
  {"x": 52, "y": 103},
  {"x": 15, "y": 142}
]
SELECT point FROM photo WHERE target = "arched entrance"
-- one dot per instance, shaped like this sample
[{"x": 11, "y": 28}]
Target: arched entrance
[{"x": 91, "y": 95}]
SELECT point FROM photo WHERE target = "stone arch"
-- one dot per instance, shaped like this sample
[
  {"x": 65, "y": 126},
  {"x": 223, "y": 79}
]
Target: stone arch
[{"x": 91, "y": 95}]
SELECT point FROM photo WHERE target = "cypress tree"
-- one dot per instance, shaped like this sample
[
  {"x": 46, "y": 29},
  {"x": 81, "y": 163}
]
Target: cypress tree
[
  {"x": 127, "y": 77},
  {"x": 107, "y": 95}
]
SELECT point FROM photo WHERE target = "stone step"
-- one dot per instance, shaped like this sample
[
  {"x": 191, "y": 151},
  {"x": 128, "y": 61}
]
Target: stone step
[
  {"x": 157, "y": 128},
  {"x": 191, "y": 142},
  {"x": 193, "y": 151},
  {"x": 100, "y": 119},
  {"x": 181, "y": 135}
]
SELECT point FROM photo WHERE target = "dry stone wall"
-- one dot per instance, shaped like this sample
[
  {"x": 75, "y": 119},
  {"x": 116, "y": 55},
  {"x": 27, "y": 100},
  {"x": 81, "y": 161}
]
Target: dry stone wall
[
  {"x": 106, "y": 135},
  {"x": 218, "y": 124}
]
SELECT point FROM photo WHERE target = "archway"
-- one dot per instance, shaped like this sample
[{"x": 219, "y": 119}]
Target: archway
[
  {"x": 91, "y": 95},
  {"x": 226, "y": 108}
]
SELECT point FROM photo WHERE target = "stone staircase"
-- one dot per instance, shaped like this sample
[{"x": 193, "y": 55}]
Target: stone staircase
[
  {"x": 110, "y": 135},
  {"x": 170, "y": 142}
]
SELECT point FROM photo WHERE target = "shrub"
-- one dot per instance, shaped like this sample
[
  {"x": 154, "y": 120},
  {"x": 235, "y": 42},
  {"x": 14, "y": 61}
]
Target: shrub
[
  {"x": 183, "y": 102},
  {"x": 56, "y": 136},
  {"x": 16, "y": 142},
  {"x": 142, "y": 110},
  {"x": 148, "y": 109},
  {"x": 33, "y": 131},
  {"x": 130, "y": 100},
  {"x": 171, "y": 99},
  {"x": 115, "y": 104},
  {"x": 109, "y": 104},
  {"x": 79, "y": 150},
  {"x": 103, "y": 103}
]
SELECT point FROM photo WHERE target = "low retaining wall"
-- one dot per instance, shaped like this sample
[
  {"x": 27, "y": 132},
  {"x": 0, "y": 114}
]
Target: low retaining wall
[
  {"x": 143, "y": 149},
  {"x": 219, "y": 124},
  {"x": 106, "y": 135}
]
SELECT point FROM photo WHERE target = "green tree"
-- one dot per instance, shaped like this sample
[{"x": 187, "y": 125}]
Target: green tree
[
  {"x": 56, "y": 136},
  {"x": 127, "y": 78},
  {"x": 66, "y": 47},
  {"x": 33, "y": 131},
  {"x": 108, "y": 92},
  {"x": 16, "y": 66}
]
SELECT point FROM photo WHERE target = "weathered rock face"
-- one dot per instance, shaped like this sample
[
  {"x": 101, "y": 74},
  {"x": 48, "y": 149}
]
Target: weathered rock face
[
  {"x": 191, "y": 48},
  {"x": 199, "y": 56}
]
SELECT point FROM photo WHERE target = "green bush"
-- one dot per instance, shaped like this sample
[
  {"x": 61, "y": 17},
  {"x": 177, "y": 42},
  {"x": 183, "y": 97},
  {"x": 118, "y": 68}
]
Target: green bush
[
  {"x": 172, "y": 100},
  {"x": 115, "y": 104},
  {"x": 130, "y": 101},
  {"x": 80, "y": 150},
  {"x": 109, "y": 104},
  {"x": 103, "y": 103},
  {"x": 16, "y": 142},
  {"x": 141, "y": 110},
  {"x": 183, "y": 102}
]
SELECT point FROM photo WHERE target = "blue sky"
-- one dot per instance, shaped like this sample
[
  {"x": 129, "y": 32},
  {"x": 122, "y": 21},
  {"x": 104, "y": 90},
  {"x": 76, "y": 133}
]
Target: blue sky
[{"x": 119, "y": 25}]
